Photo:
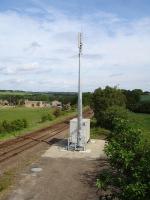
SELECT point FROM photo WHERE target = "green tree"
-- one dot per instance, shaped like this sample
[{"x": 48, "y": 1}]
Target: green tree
[
  {"x": 87, "y": 98},
  {"x": 103, "y": 99},
  {"x": 132, "y": 98}
]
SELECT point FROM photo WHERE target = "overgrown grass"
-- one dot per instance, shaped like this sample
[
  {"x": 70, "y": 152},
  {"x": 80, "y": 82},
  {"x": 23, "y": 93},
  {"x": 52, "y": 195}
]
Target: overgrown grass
[
  {"x": 32, "y": 115},
  {"x": 6, "y": 180},
  {"x": 99, "y": 133},
  {"x": 141, "y": 121}
]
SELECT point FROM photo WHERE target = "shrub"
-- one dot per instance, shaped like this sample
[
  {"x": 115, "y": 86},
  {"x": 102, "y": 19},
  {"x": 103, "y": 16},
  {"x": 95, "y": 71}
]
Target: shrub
[
  {"x": 113, "y": 113},
  {"x": 47, "y": 117},
  {"x": 15, "y": 125},
  {"x": 57, "y": 113},
  {"x": 25, "y": 123},
  {"x": 44, "y": 118},
  {"x": 104, "y": 98},
  {"x": 129, "y": 161},
  {"x": 7, "y": 126}
]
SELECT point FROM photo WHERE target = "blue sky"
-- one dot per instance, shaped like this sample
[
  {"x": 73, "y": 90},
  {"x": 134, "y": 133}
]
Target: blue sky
[{"x": 38, "y": 44}]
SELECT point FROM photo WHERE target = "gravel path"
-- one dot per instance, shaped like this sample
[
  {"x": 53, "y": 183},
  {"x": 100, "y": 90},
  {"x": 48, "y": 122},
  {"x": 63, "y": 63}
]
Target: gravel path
[{"x": 60, "y": 178}]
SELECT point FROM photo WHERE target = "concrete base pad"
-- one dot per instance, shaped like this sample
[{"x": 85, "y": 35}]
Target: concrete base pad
[{"x": 94, "y": 150}]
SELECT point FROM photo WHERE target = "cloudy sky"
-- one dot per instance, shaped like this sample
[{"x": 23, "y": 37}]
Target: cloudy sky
[{"x": 38, "y": 44}]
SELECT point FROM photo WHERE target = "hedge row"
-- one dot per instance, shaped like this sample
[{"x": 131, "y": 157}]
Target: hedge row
[{"x": 128, "y": 156}]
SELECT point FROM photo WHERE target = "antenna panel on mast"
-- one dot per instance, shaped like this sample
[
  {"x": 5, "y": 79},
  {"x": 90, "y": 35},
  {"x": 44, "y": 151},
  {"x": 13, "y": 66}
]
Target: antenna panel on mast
[{"x": 80, "y": 44}]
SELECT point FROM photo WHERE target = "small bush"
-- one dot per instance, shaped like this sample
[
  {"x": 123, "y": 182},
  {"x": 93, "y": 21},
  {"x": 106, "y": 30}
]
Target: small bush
[
  {"x": 57, "y": 113},
  {"x": 15, "y": 125},
  {"x": 113, "y": 113},
  {"x": 7, "y": 126},
  {"x": 25, "y": 123},
  {"x": 44, "y": 118},
  {"x": 47, "y": 117}
]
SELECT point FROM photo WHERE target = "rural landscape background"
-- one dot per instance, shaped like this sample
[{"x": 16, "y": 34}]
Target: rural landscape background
[
  {"x": 13, "y": 108},
  {"x": 38, "y": 96}
]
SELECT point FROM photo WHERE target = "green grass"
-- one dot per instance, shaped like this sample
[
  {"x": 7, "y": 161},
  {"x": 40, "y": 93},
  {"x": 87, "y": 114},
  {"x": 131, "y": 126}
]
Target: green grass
[
  {"x": 98, "y": 133},
  {"x": 32, "y": 115},
  {"x": 141, "y": 121},
  {"x": 145, "y": 98}
]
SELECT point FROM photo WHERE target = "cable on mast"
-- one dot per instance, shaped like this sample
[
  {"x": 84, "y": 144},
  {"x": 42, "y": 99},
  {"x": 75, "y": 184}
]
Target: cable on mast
[{"x": 79, "y": 122}]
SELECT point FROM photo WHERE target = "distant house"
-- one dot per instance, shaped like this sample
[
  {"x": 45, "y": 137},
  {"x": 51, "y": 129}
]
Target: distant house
[
  {"x": 56, "y": 104},
  {"x": 67, "y": 106},
  {"x": 4, "y": 103},
  {"x": 36, "y": 104}
]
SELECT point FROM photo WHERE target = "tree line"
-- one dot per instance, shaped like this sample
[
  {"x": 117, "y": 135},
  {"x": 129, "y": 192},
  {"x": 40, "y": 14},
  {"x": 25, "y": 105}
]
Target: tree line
[{"x": 131, "y": 98}]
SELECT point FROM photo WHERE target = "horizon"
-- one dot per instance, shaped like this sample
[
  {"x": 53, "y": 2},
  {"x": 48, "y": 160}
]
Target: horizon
[
  {"x": 42, "y": 91},
  {"x": 38, "y": 40}
]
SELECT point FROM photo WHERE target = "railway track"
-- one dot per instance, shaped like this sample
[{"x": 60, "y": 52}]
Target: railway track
[
  {"x": 28, "y": 143},
  {"x": 16, "y": 146}
]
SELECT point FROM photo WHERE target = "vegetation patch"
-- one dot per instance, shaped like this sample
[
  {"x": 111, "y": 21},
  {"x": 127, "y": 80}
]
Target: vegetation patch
[
  {"x": 33, "y": 117},
  {"x": 99, "y": 133},
  {"x": 19, "y": 124},
  {"x": 141, "y": 121},
  {"x": 145, "y": 98},
  {"x": 6, "y": 180},
  {"x": 127, "y": 147},
  {"x": 129, "y": 173},
  {"x": 48, "y": 117}
]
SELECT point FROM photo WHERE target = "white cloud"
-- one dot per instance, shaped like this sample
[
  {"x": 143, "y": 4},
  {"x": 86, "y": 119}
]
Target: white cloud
[{"x": 41, "y": 52}]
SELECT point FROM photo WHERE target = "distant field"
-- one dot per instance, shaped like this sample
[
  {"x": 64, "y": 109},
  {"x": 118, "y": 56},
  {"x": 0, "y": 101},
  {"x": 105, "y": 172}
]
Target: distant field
[
  {"x": 142, "y": 121},
  {"x": 145, "y": 98},
  {"x": 14, "y": 93},
  {"x": 32, "y": 115}
]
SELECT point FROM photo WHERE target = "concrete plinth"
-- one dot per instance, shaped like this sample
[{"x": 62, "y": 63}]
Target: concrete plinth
[{"x": 94, "y": 150}]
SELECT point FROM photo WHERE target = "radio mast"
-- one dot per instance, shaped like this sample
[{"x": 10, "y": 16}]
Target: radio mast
[
  {"x": 79, "y": 134},
  {"x": 79, "y": 124}
]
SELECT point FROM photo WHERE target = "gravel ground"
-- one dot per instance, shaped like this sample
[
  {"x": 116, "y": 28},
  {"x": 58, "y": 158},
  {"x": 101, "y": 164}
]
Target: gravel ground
[{"x": 58, "y": 175}]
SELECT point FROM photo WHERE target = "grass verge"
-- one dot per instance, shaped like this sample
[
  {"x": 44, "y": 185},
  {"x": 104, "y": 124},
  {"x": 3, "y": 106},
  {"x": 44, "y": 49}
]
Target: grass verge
[
  {"x": 99, "y": 133},
  {"x": 141, "y": 121},
  {"x": 138, "y": 120},
  {"x": 6, "y": 180},
  {"x": 33, "y": 117}
]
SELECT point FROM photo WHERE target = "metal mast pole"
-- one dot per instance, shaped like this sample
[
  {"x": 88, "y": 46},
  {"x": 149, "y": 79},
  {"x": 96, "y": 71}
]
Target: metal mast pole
[{"x": 79, "y": 131}]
